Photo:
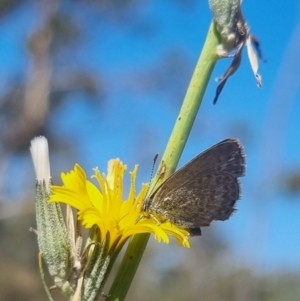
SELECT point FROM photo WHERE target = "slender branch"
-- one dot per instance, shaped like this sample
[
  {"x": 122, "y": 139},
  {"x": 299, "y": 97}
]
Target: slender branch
[{"x": 173, "y": 151}]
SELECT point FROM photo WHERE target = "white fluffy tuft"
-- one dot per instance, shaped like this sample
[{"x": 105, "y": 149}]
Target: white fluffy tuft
[{"x": 40, "y": 157}]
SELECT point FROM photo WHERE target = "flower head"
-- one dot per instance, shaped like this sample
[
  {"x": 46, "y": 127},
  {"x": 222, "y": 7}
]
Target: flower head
[{"x": 105, "y": 207}]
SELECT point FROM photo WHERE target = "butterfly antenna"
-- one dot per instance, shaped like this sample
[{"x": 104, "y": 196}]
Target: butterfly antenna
[
  {"x": 152, "y": 172},
  {"x": 153, "y": 164},
  {"x": 159, "y": 175},
  {"x": 150, "y": 180}
]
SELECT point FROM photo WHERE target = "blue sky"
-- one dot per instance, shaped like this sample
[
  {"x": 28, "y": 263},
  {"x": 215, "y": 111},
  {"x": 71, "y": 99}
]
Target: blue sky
[{"x": 135, "y": 124}]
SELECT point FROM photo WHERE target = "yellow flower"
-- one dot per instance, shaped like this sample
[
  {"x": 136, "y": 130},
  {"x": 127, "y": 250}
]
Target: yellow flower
[{"x": 106, "y": 207}]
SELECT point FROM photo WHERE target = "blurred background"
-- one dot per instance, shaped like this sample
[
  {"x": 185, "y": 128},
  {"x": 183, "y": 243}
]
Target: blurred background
[{"x": 105, "y": 79}]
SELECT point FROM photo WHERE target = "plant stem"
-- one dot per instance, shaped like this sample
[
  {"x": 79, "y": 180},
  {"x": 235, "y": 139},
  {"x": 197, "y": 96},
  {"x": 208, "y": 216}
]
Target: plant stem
[{"x": 173, "y": 151}]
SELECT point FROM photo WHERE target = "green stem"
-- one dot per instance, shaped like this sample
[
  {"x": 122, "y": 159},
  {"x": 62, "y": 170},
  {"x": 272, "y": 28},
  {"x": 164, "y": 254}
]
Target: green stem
[
  {"x": 43, "y": 277},
  {"x": 173, "y": 151}
]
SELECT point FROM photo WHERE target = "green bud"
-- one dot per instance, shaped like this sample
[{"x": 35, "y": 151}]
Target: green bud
[
  {"x": 226, "y": 16},
  {"x": 80, "y": 276},
  {"x": 53, "y": 238},
  {"x": 234, "y": 35}
]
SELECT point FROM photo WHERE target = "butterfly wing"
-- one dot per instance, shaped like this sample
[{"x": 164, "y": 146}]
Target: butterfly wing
[{"x": 203, "y": 190}]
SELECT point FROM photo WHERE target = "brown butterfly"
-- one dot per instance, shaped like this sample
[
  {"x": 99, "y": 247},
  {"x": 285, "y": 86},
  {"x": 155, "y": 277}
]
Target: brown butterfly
[{"x": 203, "y": 190}]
